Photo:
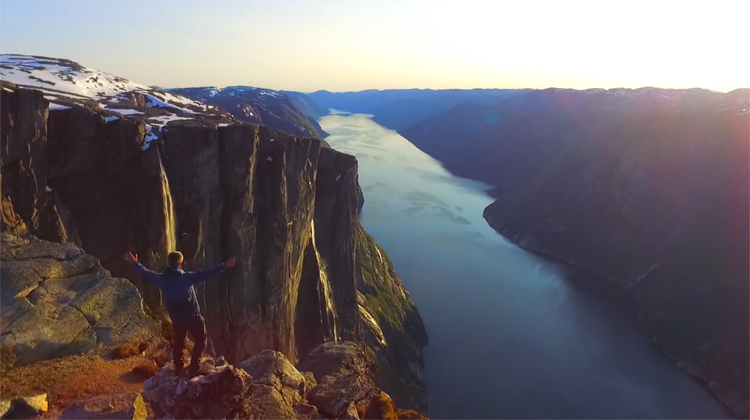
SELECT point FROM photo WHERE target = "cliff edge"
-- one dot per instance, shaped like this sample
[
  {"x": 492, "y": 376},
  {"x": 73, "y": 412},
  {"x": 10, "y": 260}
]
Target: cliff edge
[{"x": 285, "y": 206}]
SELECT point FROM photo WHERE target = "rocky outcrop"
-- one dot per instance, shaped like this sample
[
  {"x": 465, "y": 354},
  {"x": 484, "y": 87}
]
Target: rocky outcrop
[
  {"x": 286, "y": 207},
  {"x": 58, "y": 301},
  {"x": 268, "y": 386}
]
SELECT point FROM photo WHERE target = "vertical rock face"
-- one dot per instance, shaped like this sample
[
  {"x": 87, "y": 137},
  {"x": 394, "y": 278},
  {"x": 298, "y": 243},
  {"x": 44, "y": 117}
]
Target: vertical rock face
[
  {"x": 25, "y": 162},
  {"x": 285, "y": 207},
  {"x": 116, "y": 194},
  {"x": 58, "y": 301}
]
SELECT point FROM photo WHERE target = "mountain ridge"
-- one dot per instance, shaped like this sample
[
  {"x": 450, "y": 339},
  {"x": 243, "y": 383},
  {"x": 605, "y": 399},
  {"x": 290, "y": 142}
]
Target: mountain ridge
[{"x": 255, "y": 105}]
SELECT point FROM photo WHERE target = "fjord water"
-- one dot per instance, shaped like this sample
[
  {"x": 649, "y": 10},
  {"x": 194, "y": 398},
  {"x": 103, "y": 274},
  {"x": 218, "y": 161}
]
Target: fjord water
[{"x": 509, "y": 336}]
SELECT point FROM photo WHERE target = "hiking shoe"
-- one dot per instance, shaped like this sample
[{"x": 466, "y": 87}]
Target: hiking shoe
[
  {"x": 193, "y": 371},
  {"x": 179, "y": 368}
]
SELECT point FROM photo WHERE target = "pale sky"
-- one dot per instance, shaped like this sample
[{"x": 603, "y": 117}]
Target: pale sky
[{"x": 344, "y": 45}]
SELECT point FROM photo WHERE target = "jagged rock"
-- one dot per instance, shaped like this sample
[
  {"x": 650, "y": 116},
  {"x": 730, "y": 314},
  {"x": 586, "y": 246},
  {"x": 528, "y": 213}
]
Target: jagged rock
[
  {"x": 351, "y": 412},
  {"x": 337, "y": 359},
  {"x": 217, "y": 393},
  {"x": 129, "y": 406},
  {"x": 269, "y": 403},
  {"x": 36, "y": 404},
  {"x": 306, "y": 412},
  {"x": 58, "y": 301},
  {"x": 345, "y": 379},
  {"x": 271, "y": 368},
  {"x": 277, "y": 391}
]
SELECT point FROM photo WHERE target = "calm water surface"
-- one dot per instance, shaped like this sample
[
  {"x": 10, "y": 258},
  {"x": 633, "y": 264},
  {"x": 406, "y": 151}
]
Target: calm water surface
[{"x": 509, "y": 337}]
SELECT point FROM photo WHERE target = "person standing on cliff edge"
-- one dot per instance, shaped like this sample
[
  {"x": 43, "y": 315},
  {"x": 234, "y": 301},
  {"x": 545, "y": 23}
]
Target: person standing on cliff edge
[{"x": 177, "y": 288}]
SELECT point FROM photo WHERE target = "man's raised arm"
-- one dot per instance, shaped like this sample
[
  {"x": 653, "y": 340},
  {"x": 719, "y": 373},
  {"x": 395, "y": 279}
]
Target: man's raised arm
[
  {"x": 147, "y": 274},
  {"x": 200, "y": 275}
]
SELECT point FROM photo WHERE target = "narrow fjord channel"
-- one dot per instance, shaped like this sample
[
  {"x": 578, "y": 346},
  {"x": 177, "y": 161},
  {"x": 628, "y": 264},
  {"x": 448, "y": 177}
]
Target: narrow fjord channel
[{"x": 509, "y": 336}]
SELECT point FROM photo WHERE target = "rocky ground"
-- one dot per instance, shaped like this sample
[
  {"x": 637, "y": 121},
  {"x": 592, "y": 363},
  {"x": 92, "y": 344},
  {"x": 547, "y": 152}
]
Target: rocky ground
[
  {"x": 73, "y": 378},
  {"x": 335, "y": 381}
]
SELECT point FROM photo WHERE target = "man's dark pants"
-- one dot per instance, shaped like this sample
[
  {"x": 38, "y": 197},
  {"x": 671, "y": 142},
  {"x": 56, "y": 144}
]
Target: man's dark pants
[{"x": 196, "y": 325}]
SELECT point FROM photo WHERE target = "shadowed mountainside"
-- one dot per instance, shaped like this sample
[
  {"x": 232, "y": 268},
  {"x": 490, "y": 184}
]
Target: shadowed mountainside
[{"x": 647, "y": 188}]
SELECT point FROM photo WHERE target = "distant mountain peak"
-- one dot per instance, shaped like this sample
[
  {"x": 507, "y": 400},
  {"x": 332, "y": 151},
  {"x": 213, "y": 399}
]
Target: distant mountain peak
[{"x": 254, "y": 105}]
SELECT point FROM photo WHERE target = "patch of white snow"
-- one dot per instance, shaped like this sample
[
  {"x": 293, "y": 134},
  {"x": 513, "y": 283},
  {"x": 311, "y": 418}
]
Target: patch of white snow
[
  {"x": 148, "y": 138},
  {"x": 163, "y": 119},
  {"x": 110, "y": 119},
  {"x": 124, "y": 111},
  {"x": 153, "y": 101},
  {"x": 58, "y": 107}
]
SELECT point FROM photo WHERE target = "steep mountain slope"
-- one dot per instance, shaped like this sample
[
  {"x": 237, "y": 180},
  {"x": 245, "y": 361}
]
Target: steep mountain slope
[
  {"x": 257, "y": 106},
  {"x": 285, "y": 206},
  {"x": 307, "y": 105},
  {"x": 646, "y": 187},
  {"x": 309, "y": 108},
  {"x": 398, "y": 109}
]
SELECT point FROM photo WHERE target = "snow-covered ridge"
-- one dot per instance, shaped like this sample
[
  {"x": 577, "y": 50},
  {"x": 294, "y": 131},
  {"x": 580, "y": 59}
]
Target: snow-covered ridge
[
  {"x": 211, "y": 91},
  {"x": 65, "y": 82}
]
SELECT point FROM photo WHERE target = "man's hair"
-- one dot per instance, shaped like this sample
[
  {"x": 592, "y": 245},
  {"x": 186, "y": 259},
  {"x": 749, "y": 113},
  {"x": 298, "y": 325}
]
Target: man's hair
[{"x": 174, "y": 259}]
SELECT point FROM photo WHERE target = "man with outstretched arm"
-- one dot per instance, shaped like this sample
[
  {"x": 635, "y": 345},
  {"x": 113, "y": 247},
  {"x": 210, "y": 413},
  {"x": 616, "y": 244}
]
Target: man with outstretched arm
[{"x": 182, "y": 304}]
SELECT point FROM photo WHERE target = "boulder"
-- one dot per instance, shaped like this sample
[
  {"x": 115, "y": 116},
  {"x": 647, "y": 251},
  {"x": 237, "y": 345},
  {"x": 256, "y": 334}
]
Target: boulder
[
  {"x": 345, "y": 379},
  {"x": 268, "y": 386},
  {"x": 216, "y": 393},
  {"x": 269, "y": 403},
  {"x": 128, "y": 406},
  {"x": 307, "y": 412},
  {"x": 272, "y": 369},
  {"x": 58, "y": 301}
]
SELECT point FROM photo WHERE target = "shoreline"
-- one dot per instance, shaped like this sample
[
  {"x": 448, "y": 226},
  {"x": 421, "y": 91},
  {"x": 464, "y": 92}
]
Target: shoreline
[{"x": 601, "y": 287}]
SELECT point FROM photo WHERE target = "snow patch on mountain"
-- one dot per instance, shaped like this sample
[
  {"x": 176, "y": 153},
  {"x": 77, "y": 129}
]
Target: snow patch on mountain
[
  {"x": 58, "y": 107},
  {"x": 64, "y": 83}
]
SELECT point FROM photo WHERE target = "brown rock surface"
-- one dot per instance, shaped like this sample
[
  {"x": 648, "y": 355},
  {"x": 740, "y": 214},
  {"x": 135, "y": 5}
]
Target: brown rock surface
[
  {"x": 58, "y": 301},
  {"x": 129, "y": 406},
  {"x": 276, "y": 390},
  {"x": 218, "y": 393}
]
